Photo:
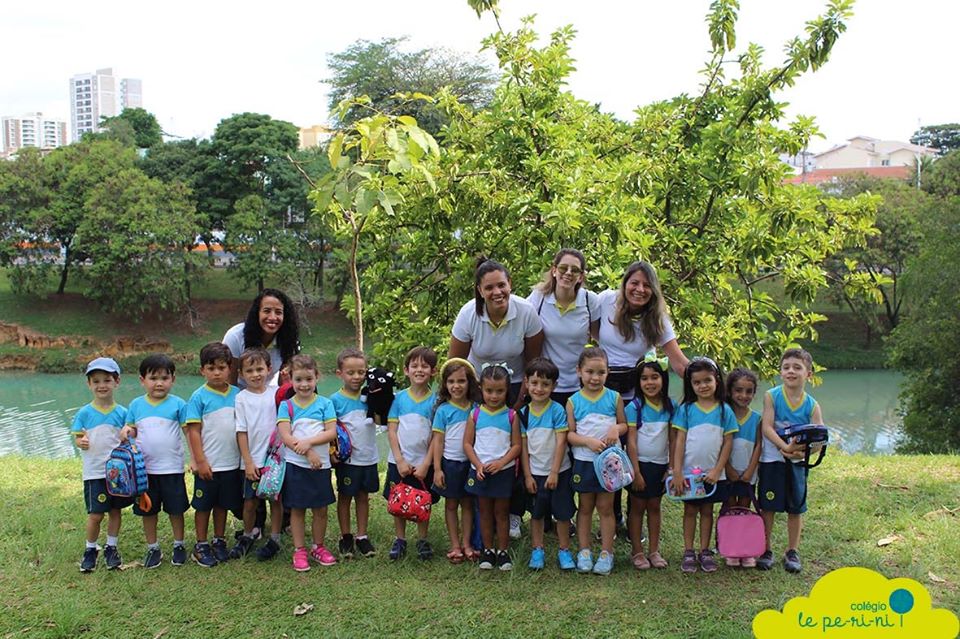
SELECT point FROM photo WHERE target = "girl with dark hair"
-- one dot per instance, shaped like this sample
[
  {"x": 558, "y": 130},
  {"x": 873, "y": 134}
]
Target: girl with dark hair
[{"x": 271, "y": 324}]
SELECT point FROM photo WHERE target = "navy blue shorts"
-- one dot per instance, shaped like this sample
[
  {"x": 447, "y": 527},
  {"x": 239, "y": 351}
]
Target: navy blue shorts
[
  {"x": 393, "y": 477},
  {"x": 782, "y": 487},
  {"x": 496, "y": 486},
  {"x": 557, "y": 502},
  {"x": 250, "y": 488},
  {"x": 736, "y": 489},
  {"x": 305, "y": 488},
  {"x": 455, "y": 476},
  {"x": 98, "y": 500},
  {"x": 225, "y": 490},
  {"x": 168, "y": 492},
  {"x": 584, "y": 478},
  {"x": 653, "y": 475},
  {"x": 353, "y": 480}
]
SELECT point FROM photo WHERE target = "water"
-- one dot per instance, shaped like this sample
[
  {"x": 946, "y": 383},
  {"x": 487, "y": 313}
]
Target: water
[{"x": 36, "y": 410}]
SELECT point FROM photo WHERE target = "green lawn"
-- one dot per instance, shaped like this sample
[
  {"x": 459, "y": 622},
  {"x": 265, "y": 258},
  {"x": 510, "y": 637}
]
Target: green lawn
[{"x": 855, "y": 501}]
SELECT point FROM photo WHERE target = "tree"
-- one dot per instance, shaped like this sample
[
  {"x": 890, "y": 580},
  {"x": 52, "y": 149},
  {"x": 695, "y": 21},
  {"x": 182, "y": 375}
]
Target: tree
[
  {"x": 140, "y": 124},
  {"x": 942, "y": 137},
  {"x": 24, "y": 195},
  {"x": 943, "y": 178},
  {"x": 381, "y": 70}
]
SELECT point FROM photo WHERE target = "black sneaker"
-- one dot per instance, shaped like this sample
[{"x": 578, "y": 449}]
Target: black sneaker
[
  {"x": 203, "y": 555},
  {"x": 242, "y": 547},
  {"x": 111, "y": 556},
  {"x": 220, "y": 551},
  {"x": 398, "y": 549},
  {"x": 765, "y": 561},
  {"x": 89, "y": 561},
  {"x": 488, "y": 559},
  {"x": 365, "y": 548},
  {"x": 503, "y": 561},
  {"x": 424, "y": 550},
  {"x": 345, "y": 546},
  {"x": 268, "y": 551},
  {"x": 791, "y": 561},
  {"x": 179, "y": 555},
  {"x": 153, "y": 558}
]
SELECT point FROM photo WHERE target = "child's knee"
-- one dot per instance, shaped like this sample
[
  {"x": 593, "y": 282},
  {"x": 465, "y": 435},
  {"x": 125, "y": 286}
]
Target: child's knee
[{"x": 604, "y": 504}]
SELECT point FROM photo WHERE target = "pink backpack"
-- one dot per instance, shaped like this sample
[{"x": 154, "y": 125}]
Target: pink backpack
[{"x": 740, "y": 532}]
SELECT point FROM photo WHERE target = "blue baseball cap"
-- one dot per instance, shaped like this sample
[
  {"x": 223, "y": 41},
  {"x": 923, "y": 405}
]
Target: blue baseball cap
[{"x": 106, "y": 364}]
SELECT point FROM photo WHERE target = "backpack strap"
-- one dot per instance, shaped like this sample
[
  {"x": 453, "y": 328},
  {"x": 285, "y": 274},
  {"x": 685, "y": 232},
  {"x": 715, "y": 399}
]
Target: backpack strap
[
  {"x": 476, "y": 415},
  {"x": 289, "y": 403},
  {"x": 636, "y": 402}
]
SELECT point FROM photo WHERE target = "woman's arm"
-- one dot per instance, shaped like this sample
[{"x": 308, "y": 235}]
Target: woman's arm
[
  {"x": 532, "y": 347},
  {"x": 458, "y": 348},
  {"x": 678, "y": 361}
]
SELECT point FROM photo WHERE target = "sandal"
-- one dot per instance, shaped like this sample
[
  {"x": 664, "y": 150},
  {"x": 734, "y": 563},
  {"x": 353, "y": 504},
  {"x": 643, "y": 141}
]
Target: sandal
[
  {"x": 455, "y": 556},
  {"x": 640, "y": 562},
  {"x": 657, "y": 560},
  {"x": 471, "y": 554}
]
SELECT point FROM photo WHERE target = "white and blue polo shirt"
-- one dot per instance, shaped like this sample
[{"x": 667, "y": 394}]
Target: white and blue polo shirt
[
  {"x": 413, "y": 417},
  {"x": 159, "y": 432},
  {"x": 705, "y": 430},
  {"x": 786, "y": 414},
  {"x": 744, "y": 441},
  {"x": 352, "y": 413},
  {"x": 103, "y": 430},
  {"x": 594, "y": 416},
  {"x": 493, "y": 429},
  {"x": 308, "y": 421},
  {"x": 450, "y": 420},
  {"x": 214, "y": 411},
  {"x": 653, "y": 430},
  {"x": 540, "y": 432}
]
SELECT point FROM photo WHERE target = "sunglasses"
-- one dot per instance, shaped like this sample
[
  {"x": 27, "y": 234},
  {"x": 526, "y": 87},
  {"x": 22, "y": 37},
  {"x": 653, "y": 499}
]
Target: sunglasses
[{"x": 573, "y": 270}]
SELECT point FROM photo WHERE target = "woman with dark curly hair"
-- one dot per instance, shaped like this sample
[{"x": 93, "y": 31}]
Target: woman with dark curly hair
[{"x": 271, "y": 324}]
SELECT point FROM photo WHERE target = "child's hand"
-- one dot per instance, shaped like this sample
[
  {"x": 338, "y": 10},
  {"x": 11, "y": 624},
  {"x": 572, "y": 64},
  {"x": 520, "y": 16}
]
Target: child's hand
[
  {"x": 679, "y": 485},
  {"x": 202, "y": 470},
  {"x": 745, "y": 477},
  {"x": 126, "y": 432},
  {"x": 334, "y": 458},
  {"x": 493, "y": 467},
  {"x": 612, "y": 438},
  {"x": 734, "y": 476},
  {"x": 420, "y": 472},
  {"x": 597, "y": 445},
  {"x": 315, "y": 462},
  {"x": 252, "y": 473},
  {"x": 638, "y": 482},
  {"x": 83, "y": 442},
  {"x": 300, "y": 447},
  {"x": 552, "y": 481},
  {"x": 713, "y": 476},
  {"x": 404, "y": 468},
  {"x": 531, "y": 485},
  {"x": 439, "y": 480},
  {"x": 480, "y": 474}
]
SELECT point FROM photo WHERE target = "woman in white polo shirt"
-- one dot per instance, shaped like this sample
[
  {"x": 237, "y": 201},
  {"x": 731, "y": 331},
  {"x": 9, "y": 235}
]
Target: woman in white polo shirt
[{"x": 570, "y": 315}]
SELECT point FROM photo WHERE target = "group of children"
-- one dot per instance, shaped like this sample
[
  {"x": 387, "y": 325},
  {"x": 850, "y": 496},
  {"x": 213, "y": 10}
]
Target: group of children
[{"x": 462, "y": 442}]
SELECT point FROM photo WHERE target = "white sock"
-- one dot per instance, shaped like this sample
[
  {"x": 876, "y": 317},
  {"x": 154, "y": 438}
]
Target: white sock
[
  {"x": 153, "y": 546},
  {"x": 111, "y": 541},
  {"x": 178, "y": 542},
  {"x": 275, "y": 537},
  {"x": 359, "y": 537},
  {"x": 91, "y": 544}
]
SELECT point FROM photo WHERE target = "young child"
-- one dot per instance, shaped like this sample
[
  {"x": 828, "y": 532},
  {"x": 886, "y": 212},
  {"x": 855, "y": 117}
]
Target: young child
[
  {"x": 546, "y": 465},
  {"x": 456, "y": 397},
  {"x": 154, "y": 419},
  {"x": 491, "y": 441},
  {"x": 596, "y": 420},
  {"x": 783, "y": 485},
  {"x": 358, "y": 477},
  {"x": 96, "y": 431},
  {"x": 649, "y": 445},
  {"x": 410, "y": 458},
  {"x": 705, "y": 428},
  {"x": 741, "y": 470},
  {"x": 256, "y": 413},
  {"x": 210, "y": 422}
]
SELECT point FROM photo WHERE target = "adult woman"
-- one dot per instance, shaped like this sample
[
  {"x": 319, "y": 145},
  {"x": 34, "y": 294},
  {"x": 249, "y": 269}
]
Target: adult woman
[
  {"x": 569, "y": 314},
  {"x": 271, "y": 323}
]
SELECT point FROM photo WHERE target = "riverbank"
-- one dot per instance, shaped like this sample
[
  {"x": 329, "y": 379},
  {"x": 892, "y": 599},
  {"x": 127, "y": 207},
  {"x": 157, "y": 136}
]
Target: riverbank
[{"x": 910, "y": 502}]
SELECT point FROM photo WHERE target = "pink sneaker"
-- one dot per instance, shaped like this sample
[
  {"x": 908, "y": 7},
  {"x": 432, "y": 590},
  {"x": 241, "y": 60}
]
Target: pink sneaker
[
  {"x": 300, "y": 561},
  {"x": 749, "y": 562},
  {"x": 322, "y": 556}
]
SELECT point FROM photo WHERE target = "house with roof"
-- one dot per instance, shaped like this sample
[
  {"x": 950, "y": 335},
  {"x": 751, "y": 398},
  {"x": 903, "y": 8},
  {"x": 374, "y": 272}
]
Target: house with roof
[{"x": 865, "y": 156}]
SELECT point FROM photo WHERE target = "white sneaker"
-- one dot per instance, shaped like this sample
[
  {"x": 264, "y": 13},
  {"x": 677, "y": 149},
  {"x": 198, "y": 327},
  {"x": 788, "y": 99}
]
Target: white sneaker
[{"x": 515, "y": 527}]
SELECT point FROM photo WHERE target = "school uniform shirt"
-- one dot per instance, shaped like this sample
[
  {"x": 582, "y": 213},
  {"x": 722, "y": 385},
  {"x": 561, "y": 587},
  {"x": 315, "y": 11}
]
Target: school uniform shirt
[
  {"x": 159, "y": 433},
  {"x": 705, "y": 430},
  {"x": 503, "y": 343},
  {"x": 214, "y": 411},
  {"x": 541, "y": 433},
  {"x": 256, "y": 415},
  {"x": 743, "y": 442},
  {"x": 450, "y": 421},
  {"x": 351, "y": 411},
  {"x": 594, "y": 417},
  {"x": 413, "y": 417},
  {"x": 619, "y": 351},
  {"x": 492, "y": 440},
  {"x": 785, "y": 414},
  {"x": 103, "y": 430},
  {"x": 233, "y": 339},
  {"x": 308, "y": 421},
  {"x": 653, "y": 431},
  {"x": 565, "y": 331}
]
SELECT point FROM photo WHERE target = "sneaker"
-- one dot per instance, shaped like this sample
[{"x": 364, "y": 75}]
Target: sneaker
[
  {"x": 268, "y": 551},
  {"x": 365, "y": 548},
  {"x": 345, "y": 546},
  {"x": 515, "y": 527},
  {"x": 503, "y": 561},
  {"x": 584, "y": 561},
  {"x": 689, "y": 563},
  {"x": 398, "y": 549},
  {"x": 707, "y": 562},
  {"x": 748, "y": 562},
  {"x": 565, "y": 559},
  {"x": 219, "y": 547},
  {"x": 111, "y": 556},
  {"x": 179, "y": 555},
  {"x": 153, "y": 558},
  {"x": 487, "y": 559},
  {"x": 322, "y": 556},
  {"x": 301, "y": 561},
  {"x": 765, "y": 561},
  {"x": 242, "y": 547},
  {"x": 203, "y": 555},
  {"x": 424, "y": 550},
  {"x": 537, "y": 559},
  {"x": 791, "y": 561},
  {"x": 604, "y": 563},
  {"x": 732, "y": 562},
  {"x": 89, "y": 561}
]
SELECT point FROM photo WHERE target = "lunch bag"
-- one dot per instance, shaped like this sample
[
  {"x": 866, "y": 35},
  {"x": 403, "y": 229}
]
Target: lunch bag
[
  {"x": 409, "y": 502},
  {"x": 740, "y": 531},
  {"x": 613, "y": 469}
]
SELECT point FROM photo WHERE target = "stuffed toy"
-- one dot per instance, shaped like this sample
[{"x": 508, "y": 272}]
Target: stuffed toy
[{"x": 378, "y": 393}]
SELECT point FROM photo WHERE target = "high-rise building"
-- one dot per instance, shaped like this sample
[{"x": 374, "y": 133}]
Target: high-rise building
[
  {"x": 98, "y": 95},
  {"x": 131, "y": 93},
  {"x": 33, "y": 130}
]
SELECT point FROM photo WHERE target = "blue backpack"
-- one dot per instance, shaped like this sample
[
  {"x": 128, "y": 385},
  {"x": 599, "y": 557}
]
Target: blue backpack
[{"x": 126, "y": 472}]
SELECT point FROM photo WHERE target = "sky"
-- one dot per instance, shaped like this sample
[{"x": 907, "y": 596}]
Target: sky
[{"x": 202, "y": 61}]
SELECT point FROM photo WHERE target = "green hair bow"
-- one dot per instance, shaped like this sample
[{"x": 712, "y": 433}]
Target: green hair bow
[{"x": 651, "y": 357}]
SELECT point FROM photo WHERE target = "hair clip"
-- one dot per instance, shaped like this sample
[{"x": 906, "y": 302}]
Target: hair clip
[
  {"x": 462, "y": 362},
  {"x": 702, "y": 358},
  {"x": 502, "y": 365},
  {"x": 651, "y": 357}
]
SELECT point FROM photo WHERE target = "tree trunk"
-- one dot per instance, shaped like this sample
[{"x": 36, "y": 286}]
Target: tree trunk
[
  {"x": 64, "y": 270},
  {"x": 355, "y": 277}
]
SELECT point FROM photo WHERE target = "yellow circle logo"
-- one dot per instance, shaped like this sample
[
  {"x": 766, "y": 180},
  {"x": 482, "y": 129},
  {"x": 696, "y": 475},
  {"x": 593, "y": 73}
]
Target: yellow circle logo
[
  {"x": 255, "y": 485},
  {"x": 771, "y": 495},
  {"x": 102, "y": 498},
  {"x": 347, "y": 481},
  {"x": 471, "y": 481},
  {"x": 576, "y": 479},
  {"x": 198, "y": 492}
]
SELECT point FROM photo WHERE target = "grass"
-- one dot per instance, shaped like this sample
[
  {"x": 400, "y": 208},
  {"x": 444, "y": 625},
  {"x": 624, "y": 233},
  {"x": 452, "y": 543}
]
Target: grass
[{"x": 854, "y": 500}]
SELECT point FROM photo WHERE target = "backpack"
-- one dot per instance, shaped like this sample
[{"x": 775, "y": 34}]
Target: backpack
[
  {"x": 740, "y": 531},
  {"x": 613, "y": 468},
  {"x": 342, "y": 447},
  {"x": 126, "y": 473},
  {"x": 273, "y": 470}
]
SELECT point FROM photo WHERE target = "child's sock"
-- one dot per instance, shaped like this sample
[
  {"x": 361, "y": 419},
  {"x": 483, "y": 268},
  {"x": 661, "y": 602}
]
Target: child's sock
[
  {"x": 178, "y": 543},
  {"x": 275, "y": 537},
  {"x": 216, "y": 539},
  {"x": 111, "y": 541},
  {"x": 153, "y": 546},
  {"x": 359, "y": 537},
  {"x": 91, "y": 544}
]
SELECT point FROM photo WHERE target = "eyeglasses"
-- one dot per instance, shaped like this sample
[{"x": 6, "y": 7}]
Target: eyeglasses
[{"x": 573, "y": 270}]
